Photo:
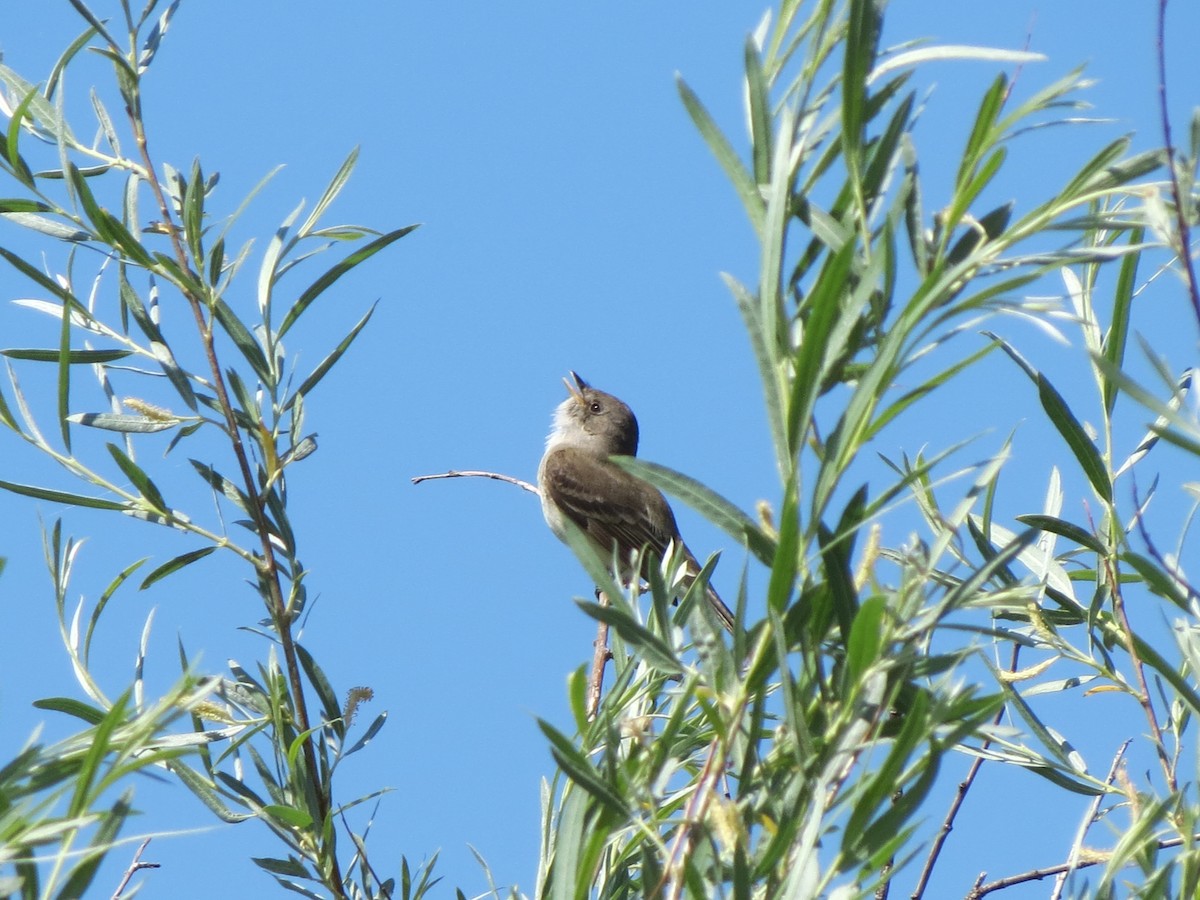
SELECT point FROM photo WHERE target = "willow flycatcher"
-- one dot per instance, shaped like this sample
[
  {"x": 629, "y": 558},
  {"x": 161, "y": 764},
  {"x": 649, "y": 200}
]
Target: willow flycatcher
[{"x": 579, "y": 482}]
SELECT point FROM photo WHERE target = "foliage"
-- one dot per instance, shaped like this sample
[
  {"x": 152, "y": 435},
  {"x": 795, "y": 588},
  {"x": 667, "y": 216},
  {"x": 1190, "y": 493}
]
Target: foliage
[
  {"x": 797, "y": 762},
  {"x": 160, "y": 297},
  {"x": 797, "y": 759}
]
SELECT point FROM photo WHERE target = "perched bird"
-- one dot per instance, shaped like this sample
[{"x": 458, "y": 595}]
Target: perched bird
[{"x": 614, "y": 508}]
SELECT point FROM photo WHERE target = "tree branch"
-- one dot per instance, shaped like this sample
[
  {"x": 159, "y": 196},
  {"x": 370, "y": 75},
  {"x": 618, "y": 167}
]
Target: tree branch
[
  {"x": 475, "y": 473},
  {"x": 134, "y": 867}
]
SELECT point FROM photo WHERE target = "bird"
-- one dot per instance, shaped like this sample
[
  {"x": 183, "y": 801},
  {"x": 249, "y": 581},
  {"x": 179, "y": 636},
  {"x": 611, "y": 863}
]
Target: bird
[{"x": 578, "y": 482}]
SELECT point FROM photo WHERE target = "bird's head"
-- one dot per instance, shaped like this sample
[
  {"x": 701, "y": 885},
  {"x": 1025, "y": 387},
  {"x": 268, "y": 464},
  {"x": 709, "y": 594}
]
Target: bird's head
[{"x": 595, "y": 421}]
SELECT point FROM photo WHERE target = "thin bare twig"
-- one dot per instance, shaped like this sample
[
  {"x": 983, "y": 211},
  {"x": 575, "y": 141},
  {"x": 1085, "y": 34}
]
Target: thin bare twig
[
  {"x": 1181, "y": 209},
  {"x": 1077, "y": 845},
  {"x": 1144, "y": 698},
  {"x": 134, "y": 866},
  {"x": 474, "y": 473},
  {"x": 600, "y": 658},
  {"x": 960, "y": 797},
  {"x": 1095, "y": 858}
]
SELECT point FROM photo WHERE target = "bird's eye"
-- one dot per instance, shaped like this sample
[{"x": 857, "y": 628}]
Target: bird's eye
[{"x": 596, "y": 406}]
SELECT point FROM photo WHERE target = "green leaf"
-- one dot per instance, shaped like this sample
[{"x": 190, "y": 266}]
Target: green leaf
[
  {"x": 174, "y": 565},
  {"x": 1118, "y": 331},
  {"x": 715, "y": 508},
  {"x": 73, "y": 357},
  {"x": 743, "y": 182},
  {"x": 1060, "y": 415},
  {"x": 318, "y": 287},
  {"x": 329, "y": 361},
  {"x": 289, "y": 815},
  {"x": 759, "y": 101},
  {"x": 121, "y": 422},
  {"x": 649, "y": 645},
  {"x": 221, "y": 485},
  {"x": 368, "y": 735},
  {"x": 762, "y": 343},
  {"x": 60, "y": 231},
  {"x": 1065, "y": 529},
  {"x": 20, "y": 168},
  {"x": 325, "y": 692},
  {"x": 93, "y": 715},
  {"x": 582, "y": 772},
  {"x": 866, "y": 638},
  {"x": 331, "y": 191},
  {"x": 177, "y": 377},
  {"x": 9, "y": 205},
  {"x": 292, "y": 867},
  {"x": 243, "y": 340},
  {"x": 140, "y": 479},
  {"x": 39, "y": 493}
]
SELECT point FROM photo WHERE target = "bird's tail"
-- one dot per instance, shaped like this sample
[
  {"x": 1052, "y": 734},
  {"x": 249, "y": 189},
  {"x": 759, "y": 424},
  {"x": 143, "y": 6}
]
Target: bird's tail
[
  {"x": 714, "y": 599},
  {"x": 723, "y": 612}
]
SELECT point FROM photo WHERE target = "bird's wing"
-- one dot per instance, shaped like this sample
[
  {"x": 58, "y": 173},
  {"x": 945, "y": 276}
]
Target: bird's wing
[{"x": 608, "y": 503}]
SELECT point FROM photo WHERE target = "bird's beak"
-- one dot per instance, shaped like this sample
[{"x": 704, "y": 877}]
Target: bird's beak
[{"x": 576, "y": 390}]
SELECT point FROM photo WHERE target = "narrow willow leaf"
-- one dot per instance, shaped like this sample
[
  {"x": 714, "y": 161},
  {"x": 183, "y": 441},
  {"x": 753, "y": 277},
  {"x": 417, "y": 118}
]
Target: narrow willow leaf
[
  {"x": 290, "y": 867},
  {"x": 122, "y": 422},
  {"x": 10, "y": 205},
  {"x": 923, "y": 390},
  {"x": 372, "y": 730},
  {"x": 329, "y": 361},
  {"x": 1060, "y": 415},
  {"x": 982, "y": 137},
  {"x": 46, "y": 283},
  {"x": 759, "y": 102},
  {"x": 154, "y": 38},
  {"x": 715, "y": 508},
  {"x": 289, "y": 815},
  {"x": 243, "y": 340},
  {"x": 862, "y": 40},
  {"x": 331, "y": 192},
  {"x": 174, "y": 565},
  {"x": 323, "y": 687},
  {"x": 581, "y": 771},
  {"x": 1065, "y": 529},
  {"x": 20, "y": 168},
  {"x": 718, "y": 144},
  {"x": 140, "y": 479},
  {"x": 40, "y": 493},
  {"x": 768, "y": 369},
  {"x": 318, "y": 287},
  {"x": 175, "y": 375},
  {"x": 866, "y": 638},
  {"x": 221, "y": 484},
  {"x": 785, "y": 563},
  {"x": 91, "y": 714},
  {"x": 1157, "y": 579},
  {"x": 949, "y": 52},
  {"x": 58, "y": 230},
  {"x": 193, "y": 214},
  {"x": 1118, "y": 331},
  {"x": 73, "y": 357},
  {"x": 648, "y": 645}
]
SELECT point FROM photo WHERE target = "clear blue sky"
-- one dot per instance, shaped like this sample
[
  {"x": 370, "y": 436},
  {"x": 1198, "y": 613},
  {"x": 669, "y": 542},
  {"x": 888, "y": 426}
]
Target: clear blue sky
[{"x": 573, "y": 219}]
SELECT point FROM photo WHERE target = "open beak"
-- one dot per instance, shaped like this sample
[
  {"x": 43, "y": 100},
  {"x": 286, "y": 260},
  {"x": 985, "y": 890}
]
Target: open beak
[{"x": 576, "y": 390}]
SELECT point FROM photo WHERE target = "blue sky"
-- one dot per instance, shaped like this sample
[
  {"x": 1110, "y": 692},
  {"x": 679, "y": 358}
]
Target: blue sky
[{"x": 572, "y": 219}]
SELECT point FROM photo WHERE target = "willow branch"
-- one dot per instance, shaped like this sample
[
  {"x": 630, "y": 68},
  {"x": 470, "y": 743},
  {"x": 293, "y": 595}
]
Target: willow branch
[{"x": 475, "y": 473}]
